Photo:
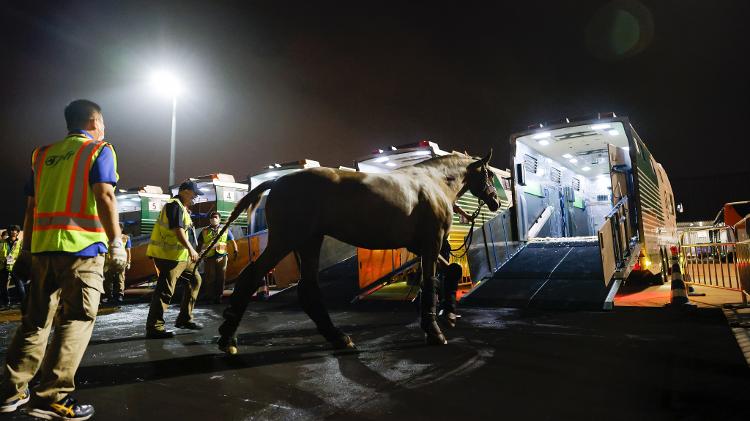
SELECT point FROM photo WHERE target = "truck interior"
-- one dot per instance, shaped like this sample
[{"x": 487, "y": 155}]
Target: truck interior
[{"x": 563, "y": 179}]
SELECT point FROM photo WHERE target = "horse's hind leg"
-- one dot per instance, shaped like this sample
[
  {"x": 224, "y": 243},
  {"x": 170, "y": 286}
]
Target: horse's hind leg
[
  {"x": 311, "y": 299},
  {"x": 248, "y": 282}
]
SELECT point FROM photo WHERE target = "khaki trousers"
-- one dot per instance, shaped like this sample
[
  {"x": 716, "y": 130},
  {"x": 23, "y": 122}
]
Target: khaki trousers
[
  {"x": 114, "y": 283},
  {"x": 169, "y": 273},
  {"x": 216, "y": 273},
  {"x": 76, "y": 282}
]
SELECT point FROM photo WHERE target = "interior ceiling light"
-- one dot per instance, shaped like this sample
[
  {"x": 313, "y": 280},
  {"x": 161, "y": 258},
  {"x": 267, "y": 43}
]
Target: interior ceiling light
[
  {"x": 613, "y": 132},
  {"x": 542, "y": 135},
  {"x": 381, "y": 159},
  {"x": 422, "y": 153},
  {"x": 586, "y": 168},
  {"x": 572, "y": 160},
  {"x": 543, "y": 142},
  {"x": 601, "y": 126},
  {"x": 390, "y": 164},
  {"x": 567, "y": 156}
]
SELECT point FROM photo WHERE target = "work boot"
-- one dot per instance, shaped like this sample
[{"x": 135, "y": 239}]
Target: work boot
[
  {"x": 228, "y": 344},
  {"x": 119, "y": 300},
  {"x": 449, "y": 318},
  {"x": 13, "y": 402},
  {"x": 64, "y": 409},
  {"x": 188, "y": 325},
  {"x": 159, "y": 334},
  {"x": 338, "y": 339}
]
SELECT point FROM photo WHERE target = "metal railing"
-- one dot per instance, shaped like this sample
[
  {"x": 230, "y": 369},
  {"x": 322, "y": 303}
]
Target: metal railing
[
  {"x": 712, "y": 257},
  {"x": 742, "y": 257}
]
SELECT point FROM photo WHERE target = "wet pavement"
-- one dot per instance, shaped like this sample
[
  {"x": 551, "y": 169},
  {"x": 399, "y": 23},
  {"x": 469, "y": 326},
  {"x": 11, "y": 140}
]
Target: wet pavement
[{"x": 630, "y": 363}]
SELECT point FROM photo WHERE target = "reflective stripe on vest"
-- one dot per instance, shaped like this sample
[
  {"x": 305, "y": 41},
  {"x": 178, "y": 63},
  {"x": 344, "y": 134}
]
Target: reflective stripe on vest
[
  {"x": 164, "y": 243},
  {"x": 65, "y": 216},
  {"x": 221, "y": 246}
]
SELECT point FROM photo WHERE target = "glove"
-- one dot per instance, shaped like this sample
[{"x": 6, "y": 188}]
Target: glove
[
  {"x": 22, "y": 265},
  {"x": 127, "y": 267},
  {"x": 118, "y": 257}
]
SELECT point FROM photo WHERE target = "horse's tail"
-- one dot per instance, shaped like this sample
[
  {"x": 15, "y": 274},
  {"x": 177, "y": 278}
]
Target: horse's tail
[{"x": 249, "y": 202}]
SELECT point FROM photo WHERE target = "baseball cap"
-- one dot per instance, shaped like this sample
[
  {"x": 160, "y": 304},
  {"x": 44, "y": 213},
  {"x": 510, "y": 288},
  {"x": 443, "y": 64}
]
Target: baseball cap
[{"x": 191, "y": 185}]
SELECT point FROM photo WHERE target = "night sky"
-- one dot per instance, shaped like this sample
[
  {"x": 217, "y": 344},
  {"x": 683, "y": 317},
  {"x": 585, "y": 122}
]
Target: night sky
[{"x": 279, "y": 81}]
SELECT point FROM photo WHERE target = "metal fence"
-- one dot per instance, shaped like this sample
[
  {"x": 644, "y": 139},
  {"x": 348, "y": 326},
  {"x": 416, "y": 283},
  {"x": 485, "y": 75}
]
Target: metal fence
[
  {"x": 742, "y": 231},
  {"x": 713, "y": 257}
]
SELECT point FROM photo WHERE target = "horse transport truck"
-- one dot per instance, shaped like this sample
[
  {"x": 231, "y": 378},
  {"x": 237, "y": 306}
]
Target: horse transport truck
[{"x": 592, "y": 209}]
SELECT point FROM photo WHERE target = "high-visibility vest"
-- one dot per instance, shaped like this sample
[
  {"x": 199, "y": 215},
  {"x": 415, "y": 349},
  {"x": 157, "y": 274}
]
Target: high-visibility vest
[
  {"x": 9, "y": 254},
  {"x": 220, "y": 248},
  {"x": 164, "y": 243},
  {"x": 65, "y": 216}
]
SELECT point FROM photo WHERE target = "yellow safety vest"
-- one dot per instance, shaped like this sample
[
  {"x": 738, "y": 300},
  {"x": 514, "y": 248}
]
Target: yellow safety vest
[
  {"x": 65, "y": 216},
  {"x": 8, "y": 254},
  {"x": 164, "y": 243},
  {"x": 221, "y": 246}
]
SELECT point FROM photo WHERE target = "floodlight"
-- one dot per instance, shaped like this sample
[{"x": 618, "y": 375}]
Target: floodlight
[{"x": 166, "y": 83}]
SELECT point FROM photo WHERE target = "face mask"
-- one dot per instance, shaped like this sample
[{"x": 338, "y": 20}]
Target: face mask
[{"x": 214, "y": 222}]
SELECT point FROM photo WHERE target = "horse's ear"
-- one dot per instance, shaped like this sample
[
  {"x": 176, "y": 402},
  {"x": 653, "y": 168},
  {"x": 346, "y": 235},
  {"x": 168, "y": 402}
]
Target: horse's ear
[{"x": 486, "y": 159}]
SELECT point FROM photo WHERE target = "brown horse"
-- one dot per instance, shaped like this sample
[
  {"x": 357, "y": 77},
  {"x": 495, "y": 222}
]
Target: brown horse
[{"x": 410, "y": 207}]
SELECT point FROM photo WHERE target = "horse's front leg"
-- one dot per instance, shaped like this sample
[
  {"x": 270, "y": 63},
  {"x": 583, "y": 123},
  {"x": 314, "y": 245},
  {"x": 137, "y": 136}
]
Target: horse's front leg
[{"x": 433, "y": 335}]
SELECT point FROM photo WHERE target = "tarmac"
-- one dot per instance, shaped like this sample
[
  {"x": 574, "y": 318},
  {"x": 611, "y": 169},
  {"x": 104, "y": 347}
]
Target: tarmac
[{"x": 629, "y": 363}]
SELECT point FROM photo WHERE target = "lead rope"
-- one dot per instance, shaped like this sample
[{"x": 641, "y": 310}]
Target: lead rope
[{"x": 469, "y": 237}]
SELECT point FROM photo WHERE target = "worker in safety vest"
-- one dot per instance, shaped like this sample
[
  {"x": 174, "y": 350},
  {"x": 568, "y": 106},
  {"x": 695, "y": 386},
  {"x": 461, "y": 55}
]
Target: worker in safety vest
[
  {"x": 114, "y": 274},
  {"x": 215, "y": 266},
  {"x": 9, "y": 249},
  {"x": 173, "y": 254},
  {"x": 71, "y": 216}
]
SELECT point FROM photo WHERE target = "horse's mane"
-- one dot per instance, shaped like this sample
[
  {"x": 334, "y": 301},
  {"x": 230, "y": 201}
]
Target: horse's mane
[{"x": 443, "y": 159}]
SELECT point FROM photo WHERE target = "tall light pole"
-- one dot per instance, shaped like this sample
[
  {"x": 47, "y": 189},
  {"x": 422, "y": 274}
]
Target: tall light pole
[
  {"x": 168, "y": 85},
  {"x": 172, "y": 141}
]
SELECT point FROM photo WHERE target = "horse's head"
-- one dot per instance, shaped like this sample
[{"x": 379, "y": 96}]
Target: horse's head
[{"x": 479, "y": 179}]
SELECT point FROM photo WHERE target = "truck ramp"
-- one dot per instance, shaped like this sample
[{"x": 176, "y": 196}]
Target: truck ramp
[{"x": 560, "y": 273}]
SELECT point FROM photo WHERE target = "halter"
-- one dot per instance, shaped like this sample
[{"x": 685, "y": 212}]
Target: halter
[{"x": 488, "y": 189}]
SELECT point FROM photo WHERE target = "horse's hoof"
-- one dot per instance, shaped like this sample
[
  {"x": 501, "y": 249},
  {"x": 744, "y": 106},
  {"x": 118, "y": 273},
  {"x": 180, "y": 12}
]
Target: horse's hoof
[
  {"x": 344, "y": 342},
  {"x": 435, "y": 339},
  {"x": 228, "y": 345}
]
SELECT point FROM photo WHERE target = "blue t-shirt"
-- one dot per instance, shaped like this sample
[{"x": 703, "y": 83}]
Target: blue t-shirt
[
  {"x": 103, "y": 170},
  {"x": 129, "y": 244}
]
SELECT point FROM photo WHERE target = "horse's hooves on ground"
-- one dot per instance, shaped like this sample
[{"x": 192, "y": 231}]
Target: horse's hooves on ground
[
  {"x": 228, "y": 345},
  {"x": 432, "y": 339}
]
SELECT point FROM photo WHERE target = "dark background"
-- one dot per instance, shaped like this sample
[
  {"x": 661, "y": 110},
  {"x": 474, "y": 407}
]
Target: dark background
[{"x": 278, "y": 81}]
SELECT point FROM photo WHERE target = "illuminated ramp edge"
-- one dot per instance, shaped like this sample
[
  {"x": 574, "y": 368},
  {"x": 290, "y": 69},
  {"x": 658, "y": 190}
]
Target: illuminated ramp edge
[{"x": 560, "y": 274}]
